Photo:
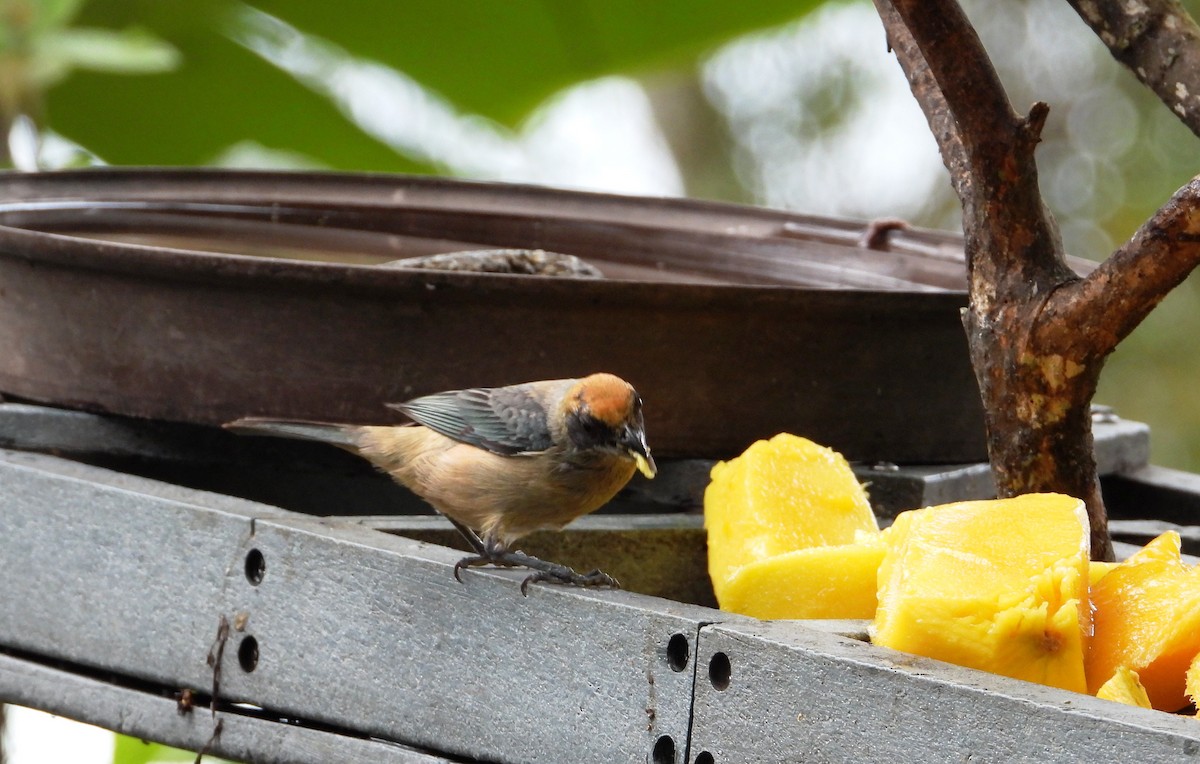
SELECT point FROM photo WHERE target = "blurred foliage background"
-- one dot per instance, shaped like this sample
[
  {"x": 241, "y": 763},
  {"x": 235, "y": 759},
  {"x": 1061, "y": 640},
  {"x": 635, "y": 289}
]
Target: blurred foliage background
[{"x": 793, "y": 104}]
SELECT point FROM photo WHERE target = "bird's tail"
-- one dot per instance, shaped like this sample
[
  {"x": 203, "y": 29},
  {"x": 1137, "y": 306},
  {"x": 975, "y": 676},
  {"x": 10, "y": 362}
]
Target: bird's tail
[{"x": 322, "y": 432}]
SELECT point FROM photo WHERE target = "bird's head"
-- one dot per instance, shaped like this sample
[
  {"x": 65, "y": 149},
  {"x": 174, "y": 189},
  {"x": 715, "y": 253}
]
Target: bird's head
[{"x": 604, "y": 413}]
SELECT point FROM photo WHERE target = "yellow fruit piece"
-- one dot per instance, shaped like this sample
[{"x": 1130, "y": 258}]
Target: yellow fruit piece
[
  {"x": 779, "y": 496},
  {"x": 1147, "y": 617},
  {"x": 822, "y": 582},
  {"x": 1125, "y": 687},
  {"x": 1098, "y": 570},
  {"x": 1192, "y": 682},
  {"x": 994, "y": 585}
]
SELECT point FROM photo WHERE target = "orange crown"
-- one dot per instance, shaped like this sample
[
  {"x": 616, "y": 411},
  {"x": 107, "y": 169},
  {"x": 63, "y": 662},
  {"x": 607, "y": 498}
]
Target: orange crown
[{"x": 608, "y": 397}]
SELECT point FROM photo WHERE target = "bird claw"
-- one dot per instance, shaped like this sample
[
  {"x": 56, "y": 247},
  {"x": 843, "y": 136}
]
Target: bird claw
[
  {"x": 475, "y": 561},
  {"x": 465, "y": 562},
  {"x": 595, "y": 578},
  {"x": 543, "y": 571}
]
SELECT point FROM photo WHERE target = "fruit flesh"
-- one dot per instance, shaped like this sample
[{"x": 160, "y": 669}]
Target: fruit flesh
[
  {"x": 995, "y": 585},
  {"x": 780, "y": 496},
  {"x": 1125, "y": 687},
  {"x": 1192, "y": 682},
  {"x": 1147, "y": 617},
  {"x": 822, "y": 582}
]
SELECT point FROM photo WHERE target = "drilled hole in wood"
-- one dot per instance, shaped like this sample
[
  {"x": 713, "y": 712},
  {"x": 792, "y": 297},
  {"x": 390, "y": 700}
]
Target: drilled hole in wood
[
  {"x": 248, "y": 654},
  {"x": 704, "y": 757},
  {"x": 664, "y": 750},
  {"x": 719, "y": 671},
  {"x": 256, "y": 566},
  {"x": 677, "y": 652}
]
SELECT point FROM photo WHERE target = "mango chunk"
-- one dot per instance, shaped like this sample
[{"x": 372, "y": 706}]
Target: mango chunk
[
  {"x": 1147, "y": 617},
  {"x": 781, "y": 495},
  {"x": 1125, "y": 687},
  {"x": 821, "y": 582},
  {"x": 995, "y": 585},
  {"x": 1098, "y": 570},
  {"x": 1192, "y": 683}
]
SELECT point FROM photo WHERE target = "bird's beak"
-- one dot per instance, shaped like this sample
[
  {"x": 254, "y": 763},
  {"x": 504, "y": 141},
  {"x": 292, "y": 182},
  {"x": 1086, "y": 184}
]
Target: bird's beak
[{"x": 634, "y": 441}]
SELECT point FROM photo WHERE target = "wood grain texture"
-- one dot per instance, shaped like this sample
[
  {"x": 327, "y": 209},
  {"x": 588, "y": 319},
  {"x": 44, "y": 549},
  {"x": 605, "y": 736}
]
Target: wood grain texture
[
  {"x": 124, "y": 581},
  {"x": 822, "y": 697},
  {"x": 354, "y": 628},
  {"x": 152, "y": 716}
]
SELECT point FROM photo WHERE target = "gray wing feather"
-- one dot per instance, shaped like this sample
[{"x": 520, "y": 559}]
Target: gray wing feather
[{"x": 503, "y": 420}]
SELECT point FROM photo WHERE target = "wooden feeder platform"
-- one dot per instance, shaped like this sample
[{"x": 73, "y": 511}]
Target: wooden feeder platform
[{"x": 346, "y": 638}]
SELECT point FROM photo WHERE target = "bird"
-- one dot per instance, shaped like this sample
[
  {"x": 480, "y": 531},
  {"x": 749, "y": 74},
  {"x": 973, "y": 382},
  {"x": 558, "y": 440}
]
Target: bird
[{"x": 502, "y": 462}]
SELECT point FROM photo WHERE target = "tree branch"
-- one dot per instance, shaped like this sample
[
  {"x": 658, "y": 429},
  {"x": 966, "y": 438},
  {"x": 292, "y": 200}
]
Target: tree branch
[
  {"x": 1113, "y": 299},
  {"x": 1039, "y": 334},
  {"x": 987, "y": 147},
  {"x": 1160, "y": 43},
  {"x": 1036, "y": 398}
]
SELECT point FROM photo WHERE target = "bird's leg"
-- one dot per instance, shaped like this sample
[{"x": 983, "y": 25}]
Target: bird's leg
[
  {"x": 492, "y": 552},
  {"x": 470, "y": 535},
  {"x": 485, "y": 552}
]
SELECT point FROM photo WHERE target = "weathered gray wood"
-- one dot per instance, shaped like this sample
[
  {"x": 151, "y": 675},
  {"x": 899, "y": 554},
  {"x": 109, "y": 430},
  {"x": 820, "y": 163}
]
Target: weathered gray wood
[
  {"x": 1121, "y": 447},
  {"x": 368, "y": 632},
  {"x": 854, "y": 628},
  {"x": 74, "y": 473},
  {"x": 664, "y": 555},
  {"x": 304, "y": 477},
  {"x": 43, "y": 428},
  {"x": 111, "y": 576},
  {"x": 797, "y": 694},
  {"x": 1154, "y": 492},
  {"x": 354, "y": 628},
  {"x": 1141, "y": 531},
  {"x": 151, "y": 716},
  {"x": 375, "y": 627}
]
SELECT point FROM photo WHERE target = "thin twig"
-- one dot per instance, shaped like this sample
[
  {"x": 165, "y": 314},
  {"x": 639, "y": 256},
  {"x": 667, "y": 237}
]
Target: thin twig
[
  {"x": 212, "y": 740},
  {"x": 216, "y": 655}
]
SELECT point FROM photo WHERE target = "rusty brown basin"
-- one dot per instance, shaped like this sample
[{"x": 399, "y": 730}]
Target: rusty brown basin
[{"x": 202, "y": 296}]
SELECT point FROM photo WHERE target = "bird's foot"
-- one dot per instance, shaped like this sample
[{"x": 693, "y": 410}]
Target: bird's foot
[
  {"x": 475, "y": 561},
  {"x": 543, "y": 570},
  {"x": 569, "y": 577}
]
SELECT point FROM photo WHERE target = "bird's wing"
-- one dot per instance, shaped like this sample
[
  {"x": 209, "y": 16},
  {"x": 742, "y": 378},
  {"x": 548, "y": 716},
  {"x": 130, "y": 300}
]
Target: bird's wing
[{"x": 503, "y": 420}]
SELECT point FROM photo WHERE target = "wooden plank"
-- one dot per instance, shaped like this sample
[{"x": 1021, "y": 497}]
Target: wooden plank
[
  {"x": 389, "y": 639},
  {"x": 304, "y": 477},
  {"x": 346, "y": 626},
  {"x": 357, "y": 630},
  {"x": 663, "y": 555},
  {"x": 780, "y": 692},
  {"x": 115, "y": 572},
  {"x": 316, "y": 479},
  {"x": 1154, "y": 492},
  {"x": 153, "y": 716},
  {"x": 1121, "y": 446}
]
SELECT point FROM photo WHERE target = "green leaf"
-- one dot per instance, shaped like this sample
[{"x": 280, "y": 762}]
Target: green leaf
[
  {"x": 53, "y": 14},
  {"x": 494, "y": 58},
  {"x": 128, "y": 51},
  {"x": 130, "y": 750},
  {"x": 501, "y": 58}
]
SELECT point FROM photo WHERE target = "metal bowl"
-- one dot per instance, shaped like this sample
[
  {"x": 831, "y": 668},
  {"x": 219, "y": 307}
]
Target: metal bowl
[{"x": 201, "y": 296}]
